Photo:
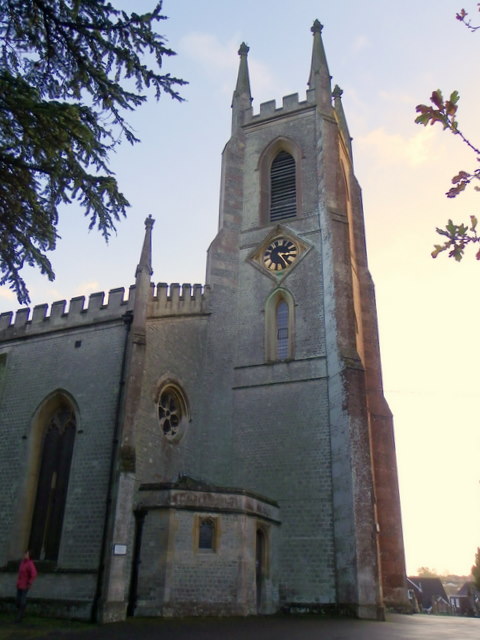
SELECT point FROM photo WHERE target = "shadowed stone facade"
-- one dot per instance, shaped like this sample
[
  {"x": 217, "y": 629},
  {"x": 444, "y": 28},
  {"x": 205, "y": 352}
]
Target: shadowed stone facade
[{"x": 233, "y": 450}]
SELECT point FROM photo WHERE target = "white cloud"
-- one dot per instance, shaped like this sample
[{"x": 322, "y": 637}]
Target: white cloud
[
  {"x": 220, "y": 59},
  {"x": 85, "y": 288},
  {"x": 390, "y": 148},
  {"x": 399, "y": 98},
  {"x": 360, "y": 43},
  {"x": 208, "y": 51},
  {"x": 264, "y": 84},
  {"x": 6, "y": 293}
]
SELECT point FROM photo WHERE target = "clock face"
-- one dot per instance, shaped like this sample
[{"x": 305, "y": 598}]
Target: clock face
[{"x": 280, "y": 254}]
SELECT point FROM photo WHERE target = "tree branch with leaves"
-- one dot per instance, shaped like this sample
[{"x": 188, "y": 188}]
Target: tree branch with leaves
[
  {"x": 444, "y": 112},
  {"x": 69, "y": 70},
  {"x": 462, "y": 16},
  {"x": 458, "y": 236}
]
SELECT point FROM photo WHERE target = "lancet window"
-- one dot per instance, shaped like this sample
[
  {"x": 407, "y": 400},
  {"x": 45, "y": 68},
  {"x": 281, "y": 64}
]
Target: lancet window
[
  {"x": 279, "y": 326},
  {"x": 51, "y": 495}
]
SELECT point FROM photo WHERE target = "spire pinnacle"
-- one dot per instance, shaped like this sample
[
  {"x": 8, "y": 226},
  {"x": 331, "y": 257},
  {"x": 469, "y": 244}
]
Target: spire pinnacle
[
  {"x": 342, "y": 120},
  {"x": 317, "y": 26},
  {"x": 319, "y": 79},
  {"x": 145, "y": 264},
  {"x": 242, "y": 97},
  {"x": 337, "y": 92},
  {"x": 243, "y": 79},
  {"x": 244, "y": 49}
]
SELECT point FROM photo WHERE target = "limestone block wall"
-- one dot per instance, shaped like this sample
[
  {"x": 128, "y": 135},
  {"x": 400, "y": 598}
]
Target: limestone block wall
[
  {"x": 282, "y": 449},
  {"x": 79, "y": 356},
  {"x": 179, "y": 578},
  {"x": 67, "y": 595},
  {"x": 176, "y": 353}
]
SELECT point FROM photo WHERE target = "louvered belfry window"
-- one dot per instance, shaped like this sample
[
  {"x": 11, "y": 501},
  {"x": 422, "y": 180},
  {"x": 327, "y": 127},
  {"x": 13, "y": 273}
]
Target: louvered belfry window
[{"x": 283, "y": 199}]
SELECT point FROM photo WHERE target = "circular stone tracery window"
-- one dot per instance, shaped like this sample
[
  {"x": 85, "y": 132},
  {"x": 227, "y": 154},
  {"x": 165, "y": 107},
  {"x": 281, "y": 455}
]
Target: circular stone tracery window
[{"x": 172, "y": 412}]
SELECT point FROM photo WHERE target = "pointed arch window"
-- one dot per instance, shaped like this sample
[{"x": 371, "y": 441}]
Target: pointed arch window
[
  {"x": 283, "y": 188},
  {"x": 49, "y": 508},
  {"x": 206, "y": 534},
  {"x": 279, "y": 327}
]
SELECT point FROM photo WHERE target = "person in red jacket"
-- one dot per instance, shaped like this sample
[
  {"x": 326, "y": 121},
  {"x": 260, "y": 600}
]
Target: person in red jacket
[{"x": 26, "y": 575}]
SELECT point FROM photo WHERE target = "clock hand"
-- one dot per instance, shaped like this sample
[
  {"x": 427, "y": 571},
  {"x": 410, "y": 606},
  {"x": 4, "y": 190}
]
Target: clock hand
[{"x": 285, "y": 254}]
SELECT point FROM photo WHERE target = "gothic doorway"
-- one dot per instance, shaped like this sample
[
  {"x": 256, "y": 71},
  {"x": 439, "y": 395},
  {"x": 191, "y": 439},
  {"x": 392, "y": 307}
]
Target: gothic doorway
[
  {"x": 136, "y": 561},
  {"x": 260, "y": 567}
]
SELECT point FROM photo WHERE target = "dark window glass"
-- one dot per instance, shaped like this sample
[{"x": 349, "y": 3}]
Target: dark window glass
[
  {"x": 206, "y": 534},
  {"x": 169, "y": 412},
  {"x": 282, "y": 330},
  {"x": 52, "y": 485}
]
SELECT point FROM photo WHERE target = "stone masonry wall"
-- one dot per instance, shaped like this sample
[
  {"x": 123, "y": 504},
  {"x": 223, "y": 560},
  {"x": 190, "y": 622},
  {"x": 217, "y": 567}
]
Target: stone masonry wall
[
  {"x": 281, "y": 437},
  {"x": 178, "y": 578},
  {"x": 84, "y": 363}
]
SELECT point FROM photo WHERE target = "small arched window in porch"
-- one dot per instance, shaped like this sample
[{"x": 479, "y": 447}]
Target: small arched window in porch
[{"x": 206, "y": 534}]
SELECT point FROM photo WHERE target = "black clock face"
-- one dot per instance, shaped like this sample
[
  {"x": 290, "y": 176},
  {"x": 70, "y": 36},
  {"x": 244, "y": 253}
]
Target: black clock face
[{"x": 280, "y": 254}]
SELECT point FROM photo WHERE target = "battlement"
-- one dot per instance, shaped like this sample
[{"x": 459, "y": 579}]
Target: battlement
[
  {"x": 176, "y": 299},
  {"x": 166, "y": 300},
  {"x": 21, "y": 324},
  {"x": 290, "y": 104}
]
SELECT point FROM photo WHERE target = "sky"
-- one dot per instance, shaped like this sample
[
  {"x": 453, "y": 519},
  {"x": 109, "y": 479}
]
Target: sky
[{"x": 387, "y": 57}]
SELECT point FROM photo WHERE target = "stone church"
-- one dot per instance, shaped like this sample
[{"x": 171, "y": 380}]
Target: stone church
[{"x": 217, "y": 449}]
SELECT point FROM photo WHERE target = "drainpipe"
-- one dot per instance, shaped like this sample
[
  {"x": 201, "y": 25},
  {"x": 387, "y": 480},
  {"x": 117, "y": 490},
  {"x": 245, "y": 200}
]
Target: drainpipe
[{"x": 127, "y": 319}]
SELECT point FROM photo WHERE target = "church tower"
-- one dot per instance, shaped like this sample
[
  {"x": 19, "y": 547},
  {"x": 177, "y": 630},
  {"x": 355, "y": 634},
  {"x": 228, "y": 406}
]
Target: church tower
[{"x": 298, "y": 346}]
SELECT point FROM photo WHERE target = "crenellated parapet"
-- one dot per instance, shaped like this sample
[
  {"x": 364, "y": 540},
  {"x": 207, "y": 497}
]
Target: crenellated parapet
[
  {"x": 165, "y": 300},
  {"x": 57, "y": 316},
  {"x": 290, "y": 104},
  {"x": 176, "y": 299}
]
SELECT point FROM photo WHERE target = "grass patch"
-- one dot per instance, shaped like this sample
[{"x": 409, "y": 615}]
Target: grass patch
[{"x": 36, "y": 627}]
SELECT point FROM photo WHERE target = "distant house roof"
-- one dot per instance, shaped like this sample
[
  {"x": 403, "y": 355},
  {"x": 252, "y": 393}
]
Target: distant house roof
[
  {"x": 468, "y": 589},
  {"x": 428, "y": 590}
]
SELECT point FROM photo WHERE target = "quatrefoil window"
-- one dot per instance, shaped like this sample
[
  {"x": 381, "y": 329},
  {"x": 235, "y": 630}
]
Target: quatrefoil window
[{"x": 172, "y": 412}]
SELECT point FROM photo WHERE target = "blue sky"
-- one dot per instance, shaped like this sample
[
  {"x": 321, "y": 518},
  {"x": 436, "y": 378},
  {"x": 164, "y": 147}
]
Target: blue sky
[{"x": 387, "y": 57}]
